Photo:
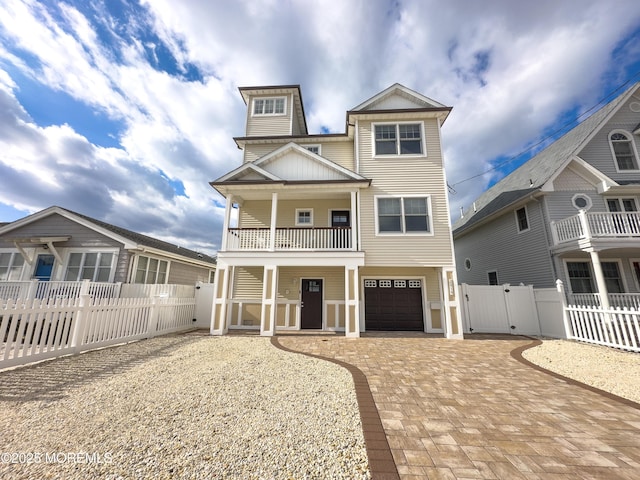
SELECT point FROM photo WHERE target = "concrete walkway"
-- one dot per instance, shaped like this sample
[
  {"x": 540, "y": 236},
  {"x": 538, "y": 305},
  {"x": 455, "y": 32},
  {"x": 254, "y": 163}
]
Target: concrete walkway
[{"x": 467, "y": 409}]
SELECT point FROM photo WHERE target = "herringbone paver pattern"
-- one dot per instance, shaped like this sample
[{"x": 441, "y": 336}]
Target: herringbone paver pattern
[{"x": 466, "y": 410}]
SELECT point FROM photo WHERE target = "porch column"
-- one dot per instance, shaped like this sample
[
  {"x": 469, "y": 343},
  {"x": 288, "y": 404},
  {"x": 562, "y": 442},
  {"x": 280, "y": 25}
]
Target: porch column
[
  {"x": 354, "y": 223},
  {"x": 269, "y": 301},
  {"x": 274, "y": 217},
  {"x": 227, "y": 219},
  {"x": 351, "y": 302},
  {"x": 600, "y": 281},
  {"x": 220, "y": 295},
  {"x": 450, "y": 308}
]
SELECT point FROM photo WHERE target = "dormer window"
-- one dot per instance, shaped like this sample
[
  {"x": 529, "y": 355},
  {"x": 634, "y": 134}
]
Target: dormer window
[
  {"x": 398, "y": 139},
  {"x": 269, "y": 106},
  {"x": 623, "y": 151}
]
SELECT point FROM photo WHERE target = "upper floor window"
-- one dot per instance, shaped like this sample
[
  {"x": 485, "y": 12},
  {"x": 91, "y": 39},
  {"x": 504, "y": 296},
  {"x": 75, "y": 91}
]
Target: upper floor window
[
  {"x": 522, "y": 220},
  {"x": 623, "y": 150},
  {"x": 621, "y": 205},
  {"x": 313, "y": 148},
  {"x": 398, "y": 139},
  {"x": 11, "y": 265},
  {"x": 94, "y": 266},
  {"x": 269, "y": 106},
  {"x": 492, "y": 277},
  {"x": 151, "y": 270},
  {"x": 403, "y": 215}
]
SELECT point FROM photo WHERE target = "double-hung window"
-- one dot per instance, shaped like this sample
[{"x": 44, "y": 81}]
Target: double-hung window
[
  {"x": 522, "y": 219},
  {"x": 94, "y": 266},
  {"x": 11, "y": 265},
  {"x": 398, "y": 139},
  {"x": 582, "y": 278},
  {"x": 624, "y": 151},
  {"x": 269, "y": 106},
  {"x": 403, "y": 215}
]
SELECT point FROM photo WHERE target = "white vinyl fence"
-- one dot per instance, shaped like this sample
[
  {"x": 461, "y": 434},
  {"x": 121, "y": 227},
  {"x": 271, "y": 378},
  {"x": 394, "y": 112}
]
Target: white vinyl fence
[
  {"x": 39, "y": 329},
  {"x": 613, "y": 327}
]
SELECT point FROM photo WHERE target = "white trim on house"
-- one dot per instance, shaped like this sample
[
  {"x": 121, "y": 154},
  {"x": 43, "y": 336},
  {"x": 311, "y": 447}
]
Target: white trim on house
[
  {"x": 423, "y": 143},
  {"x": 265, "y": 99},
  {"x": 634, "y": 151},
  {"x": 429, "y": 233},
  {"x": 594, "y": 283},
  {"x": 315, "y": 146},
  {"x": 526, "y": 217},
  {"x": 304, "y": 224},
  {"x": 324, "y": 310},
  {"x": 84, "y": 250},
  {"x": 588, "y": 201},
  {"x": 636, "y": 280},
  {"x": 585, "y": 170}
]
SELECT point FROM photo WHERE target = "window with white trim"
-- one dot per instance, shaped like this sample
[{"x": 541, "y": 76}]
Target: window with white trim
[
  {"x": 622, "y": 205},
  {"x": 304, "y": 217},
  {"x": 94, "y": 266},
  {"x": 403, "y": 215},
  {"x": 151, "y": 270},
  {"x": 269, "y": 106},
  {"x": 581, "y": 277},
  {"x": 313, "y": 148},
  {"x": 398, "y": 139},
  {"x": 370, "y": 283},
  {"x": 11, "y": 266},
  {"x": 624, "y": 151},
  {"x": 492, "y": 277},
  {"x": 522, "y": 219}
]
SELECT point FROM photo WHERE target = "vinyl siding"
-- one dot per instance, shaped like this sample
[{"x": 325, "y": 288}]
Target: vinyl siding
[
  {"x": 257, "y": 214},
  {"x": 405, "y": 176},
  {"x": 184, "y": 274},
  {"x": 598, "y": 152},
  {"x": 623, "y": 259},
  {"x": 248, "y": 282},
  {"x": 289, "y": 280},
  {"x": 517, "y": 257},
  {"x": 560, "y": 206},
  {"x": 338, "y": 152},
  {"x": 265, "y": 125}
]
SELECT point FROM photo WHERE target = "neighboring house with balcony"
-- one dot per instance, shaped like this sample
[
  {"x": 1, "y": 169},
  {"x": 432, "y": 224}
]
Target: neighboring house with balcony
[
  {"x": 338, "y": 231},
  {"x": 569, "y": 213},
  {"x": 57, "y": 244}
]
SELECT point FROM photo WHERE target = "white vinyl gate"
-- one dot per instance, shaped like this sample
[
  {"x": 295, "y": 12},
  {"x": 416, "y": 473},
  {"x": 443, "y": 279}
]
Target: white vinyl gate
[{"x": 500, "y": 309}]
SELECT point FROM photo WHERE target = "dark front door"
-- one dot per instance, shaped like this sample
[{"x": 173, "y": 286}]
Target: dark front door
[
  {"x": 311, "y": 308},
  {"x": 44, "y": 266}
]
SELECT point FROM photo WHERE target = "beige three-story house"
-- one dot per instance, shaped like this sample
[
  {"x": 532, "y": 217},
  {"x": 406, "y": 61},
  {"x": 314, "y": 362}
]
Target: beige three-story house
[{"x": 339, "y": 232}]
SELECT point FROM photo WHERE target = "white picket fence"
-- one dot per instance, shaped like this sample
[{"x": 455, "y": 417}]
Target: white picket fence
[
  {"x": 613, "y": 327},
  {"x": 38, "y": 329}
]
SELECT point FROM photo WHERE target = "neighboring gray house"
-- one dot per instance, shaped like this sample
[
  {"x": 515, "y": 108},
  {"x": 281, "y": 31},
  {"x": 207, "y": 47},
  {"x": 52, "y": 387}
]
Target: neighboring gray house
[
  {"x": 569, "y": 213},
  {"x": 58, "y": 244}
]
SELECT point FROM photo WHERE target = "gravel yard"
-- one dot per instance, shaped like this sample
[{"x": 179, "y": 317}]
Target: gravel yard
[
  {"x": 182, "y": 407},
  {"x": 608, "y": 369}
]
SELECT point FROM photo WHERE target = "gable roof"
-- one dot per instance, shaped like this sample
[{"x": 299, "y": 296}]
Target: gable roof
[
  {"x": 129, "y": 238},
  {"x": 536, "y": 172},
  {"x": 266, "y": 167}
]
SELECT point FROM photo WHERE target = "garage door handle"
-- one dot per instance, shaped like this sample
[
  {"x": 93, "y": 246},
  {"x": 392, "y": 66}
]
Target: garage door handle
[{"x": 301, "y": 304}]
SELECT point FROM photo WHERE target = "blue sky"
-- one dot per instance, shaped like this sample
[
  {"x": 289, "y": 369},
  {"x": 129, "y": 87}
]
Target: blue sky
[{"x": 124, "y": 110}]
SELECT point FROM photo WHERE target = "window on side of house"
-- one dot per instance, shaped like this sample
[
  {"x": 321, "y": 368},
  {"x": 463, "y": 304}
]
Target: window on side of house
[
  {"x": 398, "y": 139},
  {"x": 612, "y": 277},
  {"x": 269, "y": 106},
  {"x": 580, "y": 277},
  {"x": 403, "y": 215},
  {"x": 304, "y": 217},
  {"x": 94, "y": 266},
  {"x": 11, "y": 266},
  {"x": 151, "y": 270},
  {"x": 621, "y": 205},
  {"x": 492, "y": 277},
  {"x": 522, "y": 219},
  {"x": 623, "y": 151}
]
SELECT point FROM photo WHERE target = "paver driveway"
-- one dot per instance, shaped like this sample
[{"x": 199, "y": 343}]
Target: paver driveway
[{"x": 466, "y": 409}]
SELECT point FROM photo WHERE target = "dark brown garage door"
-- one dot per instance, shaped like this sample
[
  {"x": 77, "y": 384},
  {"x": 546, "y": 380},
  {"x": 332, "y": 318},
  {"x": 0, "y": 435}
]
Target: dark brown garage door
[{"x": 393, "y": 305}]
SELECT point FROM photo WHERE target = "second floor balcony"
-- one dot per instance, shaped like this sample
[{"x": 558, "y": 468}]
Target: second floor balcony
[
  {"x": 290, "y": 238},
  {"x": 589, "y": 227}
]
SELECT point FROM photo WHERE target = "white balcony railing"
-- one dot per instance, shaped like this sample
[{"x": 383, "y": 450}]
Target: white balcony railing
[
  {"x": 596, "y": 225},
  {"x": 616, "y": 300},
  {"x": 327, "y": 238}
]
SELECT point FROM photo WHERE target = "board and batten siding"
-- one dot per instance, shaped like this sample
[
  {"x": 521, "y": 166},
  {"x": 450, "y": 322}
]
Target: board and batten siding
[
  {"x": 597, "y": 151},
  {"x": 497, "y": 246},
  {"x": 402, "y": 176}
]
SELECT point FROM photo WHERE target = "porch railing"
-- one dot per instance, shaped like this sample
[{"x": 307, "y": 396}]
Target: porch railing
[
  {"x": 596, "y": 225},
  {"x": 291, "y": 238},
  {"x": 57, "y": 289},
  {"x": 616, "y": 300}
]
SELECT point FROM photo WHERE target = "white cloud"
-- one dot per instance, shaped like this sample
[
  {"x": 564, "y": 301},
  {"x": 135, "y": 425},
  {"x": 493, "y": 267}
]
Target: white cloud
[{"x": 509, "y": 69}]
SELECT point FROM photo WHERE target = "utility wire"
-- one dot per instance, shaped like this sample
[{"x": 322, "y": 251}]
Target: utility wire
[{"x": 571, "y": 123}]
